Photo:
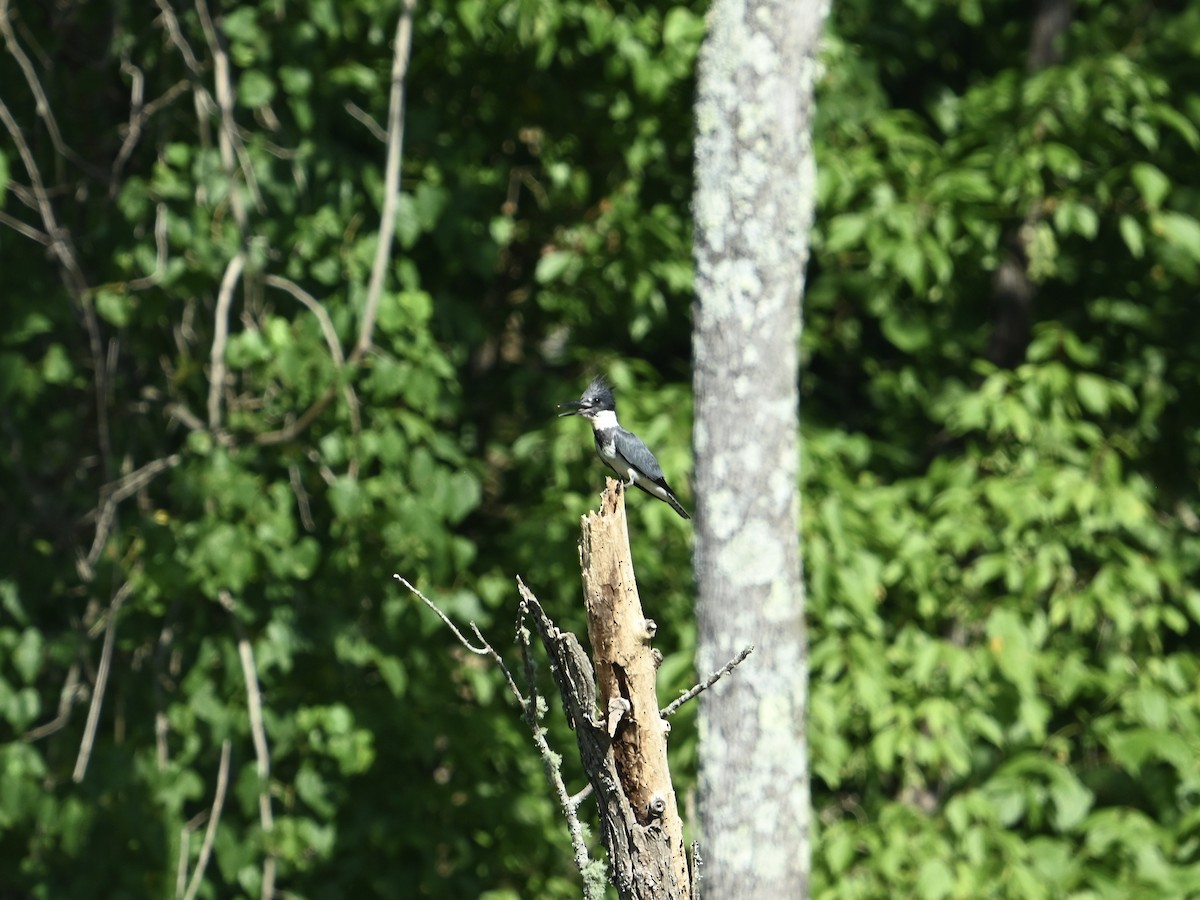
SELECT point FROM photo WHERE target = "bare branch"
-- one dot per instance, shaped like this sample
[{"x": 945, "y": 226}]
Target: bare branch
[
  {"x": 313, "y": 306},
  {"x": 160, "y": 251},
  {"x": 26, "y": 230},
  {"x": 177, "y": 38},
  {"x": 229, "y": 142},
  {"x": 361, "y": 115},
  {"x": 61, "y": 244},
  {"x": 133, "y": 131},
  {"x": 550, "y": 762},
  {"x": 301, "y": 496},
  {"x": 335, "y": 351},
  {"x": 111, "y": 496},
  {"x": 44, "y": 110},
  {"x": 391, "y": 185},
  {"x": 190, "y": 420},
  {"x": 484, "y": 648},
  {"x": 93, "y": 719},
  {"x": 481, "y": 651},
  {"x": 593, "y": 890},
  {"x": 582, "y": 794},
  {"x": 66, "y": 702},
  {"x": 216, "y": 385},
  {"x": 712, "y": 679},
  {"x": 71, "y": 271},
  {"x": 214, "y": 820},
  {"x": 259, "y": 733}
]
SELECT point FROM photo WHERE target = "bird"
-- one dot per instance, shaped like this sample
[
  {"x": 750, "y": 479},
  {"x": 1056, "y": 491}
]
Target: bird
[{"x": 621, "y": 450}]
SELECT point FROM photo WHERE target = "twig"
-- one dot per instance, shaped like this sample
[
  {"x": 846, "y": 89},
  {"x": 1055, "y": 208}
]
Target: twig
[
  {"x": 581, "y": 795},
  {"x": 44, "y": 109},
  {"x": 190, "y": 420},
  {"x": 214, "y": 819},
  {"x": 335, "y": 351},
  {"x": 550, "y": 761},
  {"x": 361, "y": 115},
  {"x": 66, "y": 702},
  {"x": 712, "y": 679},
  {"x": 93, "y": 718},
  {"x": 484, "y": 648},
  {"x": 133, "y": 131},
  {"x": 531, "y": 714},
  {"x": 293, "y": 430},
  {"x": 391, "y": 184},
  {"x": 313, "y": 306},
  {"x": 220, "y": 336},
  {"x": 228, "y": 141},
  {"x": 259, "y": 733},
  {"x": 185, "y": 846},
  {"x": 160, "y": 252},
  {"x": 112, "y": 495},
  {"x": 61, "y": 244},
  {"x": 481, "y": 651},
  {"x": 301, "y": 496},
  {"x": 27, "y": 230},
  {"x": 177, "y": 38}
]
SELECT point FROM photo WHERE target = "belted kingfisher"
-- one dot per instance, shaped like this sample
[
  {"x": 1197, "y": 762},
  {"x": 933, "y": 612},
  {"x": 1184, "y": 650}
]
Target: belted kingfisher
[{"x": 621, "y": 450}]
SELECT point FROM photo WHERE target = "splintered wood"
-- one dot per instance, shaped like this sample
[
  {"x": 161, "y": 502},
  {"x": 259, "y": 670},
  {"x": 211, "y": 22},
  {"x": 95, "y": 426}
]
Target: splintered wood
[{"x": 626, "y": 668}]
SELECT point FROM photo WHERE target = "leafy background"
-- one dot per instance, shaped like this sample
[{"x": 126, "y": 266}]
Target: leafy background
[{"x": 1001, "y": 558}]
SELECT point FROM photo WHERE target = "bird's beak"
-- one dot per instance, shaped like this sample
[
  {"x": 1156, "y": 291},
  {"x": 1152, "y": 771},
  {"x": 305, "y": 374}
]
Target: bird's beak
[{"x": 572, "y": 409}]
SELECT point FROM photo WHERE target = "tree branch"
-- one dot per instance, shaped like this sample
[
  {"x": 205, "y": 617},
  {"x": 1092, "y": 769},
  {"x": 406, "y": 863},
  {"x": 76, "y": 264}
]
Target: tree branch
[
  {"x": 214, "y": 820},
  {"x": 44, "y": 110},
  {"x": 259, "y": 733},
  {"x": 391, "y": 184},
  {"x": 220, "y": 337},
  {"x": 93, "y": 718},
  {"x": 671, "y": 708},
  {"x": 233, "y": 152},
  {"x": 593, "y": 886},
  {"x": 335, "y": 352}
]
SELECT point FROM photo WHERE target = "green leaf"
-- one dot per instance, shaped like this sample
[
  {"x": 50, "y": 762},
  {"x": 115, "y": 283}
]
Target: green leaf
[
  {"x": 1151, "y": 183},
  {"x": 56, "y": 365},
  {"x": 1131, "y": 233},
  {"x": 348, "y": 499},
  {"x": 553, "y": 266},
  {"x": 1181, "y": 230},
  {"x": 115, "y": 308},
  {"x": 27, "y": 655},
  {"x": 255, "y": 88},
  {"x": 845, "y": 231},
  {"x": 1093, "y": 392},
  {"x": 910, "y": 333}
]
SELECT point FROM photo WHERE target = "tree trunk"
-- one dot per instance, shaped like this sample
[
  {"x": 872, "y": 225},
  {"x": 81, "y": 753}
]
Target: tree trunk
[
  {"x": 654, "y": 861},
  {"x": 755, "y": 191}
]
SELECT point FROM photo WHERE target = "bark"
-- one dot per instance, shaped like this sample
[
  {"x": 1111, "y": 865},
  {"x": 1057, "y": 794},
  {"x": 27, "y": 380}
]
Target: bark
[
  {"x": 755, "y": 192},
  {"x": 626, "y": 670},
  {"x": 621, "y": 734}
]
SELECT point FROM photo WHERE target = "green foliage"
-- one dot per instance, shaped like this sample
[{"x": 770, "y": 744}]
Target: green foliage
[{"x": 1002, "y": 560}]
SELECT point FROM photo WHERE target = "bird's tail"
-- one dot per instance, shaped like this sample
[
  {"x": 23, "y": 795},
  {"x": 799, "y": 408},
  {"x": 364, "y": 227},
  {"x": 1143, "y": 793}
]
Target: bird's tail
[{"x": 677, "y": 506}]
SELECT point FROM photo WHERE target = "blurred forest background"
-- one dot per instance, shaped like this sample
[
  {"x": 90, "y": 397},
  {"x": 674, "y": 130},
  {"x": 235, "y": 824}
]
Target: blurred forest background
[{"x": 1001, "y": 373}]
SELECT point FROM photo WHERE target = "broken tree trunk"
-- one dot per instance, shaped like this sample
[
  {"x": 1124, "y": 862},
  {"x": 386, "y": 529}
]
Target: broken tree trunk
[
  {"x": 626, "y": 670},
  {"x": 622, "y": 733}
]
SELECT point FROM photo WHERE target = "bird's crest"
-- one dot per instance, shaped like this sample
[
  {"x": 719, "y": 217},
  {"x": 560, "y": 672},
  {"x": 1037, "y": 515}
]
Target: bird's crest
[{"x": 600, "y": 392}]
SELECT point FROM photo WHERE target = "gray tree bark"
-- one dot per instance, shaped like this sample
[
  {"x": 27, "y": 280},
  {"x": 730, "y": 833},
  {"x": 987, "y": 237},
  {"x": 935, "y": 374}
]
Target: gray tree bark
[{"x": 755, "y": 191}]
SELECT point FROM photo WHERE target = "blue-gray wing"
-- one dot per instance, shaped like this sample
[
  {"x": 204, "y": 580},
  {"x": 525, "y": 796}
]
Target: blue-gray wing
[
  {"x": 633, "y": 451},
  {"x": 638, "y": 455}
]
